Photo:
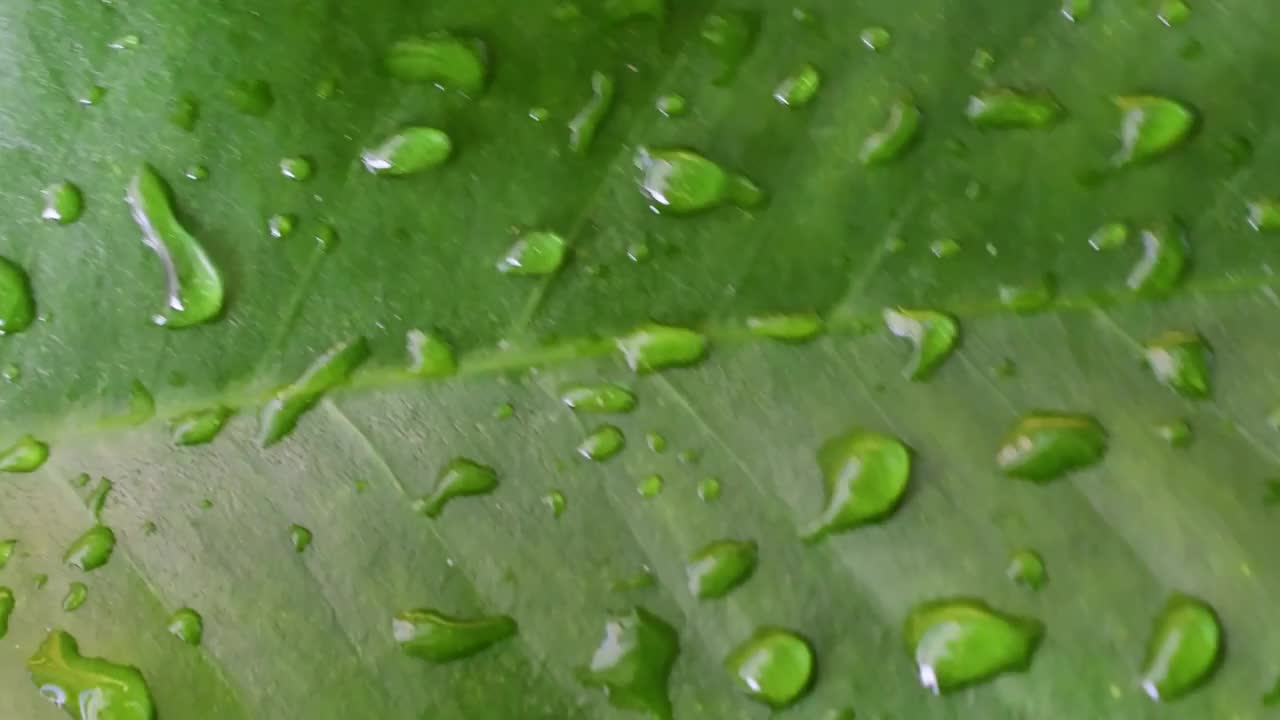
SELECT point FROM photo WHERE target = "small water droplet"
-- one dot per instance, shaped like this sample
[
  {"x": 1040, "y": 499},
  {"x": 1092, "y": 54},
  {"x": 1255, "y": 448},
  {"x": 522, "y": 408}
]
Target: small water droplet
[
  {"x": 633, "y": 663},
  {"x": 77, "y": 593},
  {"x": 125, "y": 42},
  {"x": 719, "y": 567},
  {"x": 409, "y": 151},
  {"x": 197, "y": 173},
  {"x": 795, "y": 327},
  {"x": 583, "y": 126},
  {"x": 430, "y": 355},
  {"x": 327, "y": 88},
  {"x": 88, "y": 687},
  {"x": 730, "y": 35},
  {"x": 252, "y": 97},
  {"x": 505, "y": 411},
  {"x": 651, "y": 486},
  {"x": 1006, "y": 108},
  {"x": 944, "y": 248},
  {"x": 599, "y": 398},
  {"x": 297, "y": 168},
  {"x": 281, "y": 225},
  {"x": 442, "y": 59},
  {"x": 1264, "y": 214},
  {"x": 1180, "y": 360},
  {"x": 774, "y": 666},
  {"x": 435, "y": 637},
  {"x": 982, "y": 60},
  {"x": 94, "y": 95},
  {"x": 876, "y": 38},
  {"x": 1028, "y": 297},
  {"x": 281, "y": 413},
  {"x": 895, "y": 137},
  {"x": 63, "y": 203},
  {"x": 460, "y": 478},
  {"x": 1183, "y": 650},
  {"x": 199, "y": 426},
  {"x": 326, "y": 237},
  {"x": 799, "y": 88},
  {"x": 655, "y": 347},
  {"x": 1026, "y": 568},
  {"x": 682, "y": 182},
  {"x": 7, "y": 604},
  {"x": 1044, "y": 446},
  {"x": 300, "y": 538},
  {"x": 603, "y": 443},
  {"x": 1176, "y": 432},
  {"x": 656, "y": 442},
  {"x": 709, "y": 489},
  {"x": 864, "y": 475},
  {"x": 1164, "y": 260},
  {"x": 639, "y": 581},
  {"x": 17, "y": 304},
  {"x": 187, "y": 625},
  {"x": 534, "y": 254},
  {"x": 689, "y": 456},
  {"x": 539, "y": 114},
  {"x": 556, "y": 502},
  {"x": 671, "y": 105},
  {"x": 97, "y": 500},
  {"x": 7, "y": 548},
  {"x": 1111, "y": 236},
  {"x": 26, "y": 455},
  {"x": 1077, "y": 10},
  {"x": 1150, "y": 126},
  {"x": 933, "y": 335},
  {"x": 11, "y": 373},
  {"x": 39, "y": 581},
  {"x": 1173, "y": 12},
  {"x": 141, "y": 408},
  {"x": 960, "y": 642},
  {"x": 92, "y": 549},
  {"x": 185, "y": 112}
]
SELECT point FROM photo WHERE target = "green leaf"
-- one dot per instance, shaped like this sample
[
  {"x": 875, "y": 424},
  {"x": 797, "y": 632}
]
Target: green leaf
[{"x": 751, "y": 308}]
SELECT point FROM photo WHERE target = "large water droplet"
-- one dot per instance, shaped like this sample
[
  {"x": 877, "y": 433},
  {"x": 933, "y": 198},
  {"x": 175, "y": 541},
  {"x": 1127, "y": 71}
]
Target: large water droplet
[
  {"x": 600, "y": 398},
  {"x": 460, "y": 478},
  {"x": 24, "y": 456},
  {"x": 7, "y": 604},
  {"x": 864, "y": 475},
  {"x": 1184, "y": 648},
  {"x": 893, "y": 140},
  {"x": 959, "y": 642},
  {"x": 1026, "y": 568},
  {"x": 88, "y": 688},
  {"x": 1164, "y": 260},
  {"x": 445, "y": 60},
  {"x": 799, "y": 88},
  {"x": 1044, "y": 446},
  {"x": 774, "y": 666},
  {"x": 603, "y": 443},
  {"x": 1002, "y": 108},
  {"x": 536, "y": 253},
  {"x": 1264, "y": 214},
  {"x": 680, "y": 182},
  {"x": 409, "y": 151},
  {"x": 17, "y": 304},
  {"x": 933, "y": 336},
  {"x": 633, "y": 663},
  {"x": 436, "y": 637},
  {"x": 194, "y": 286},
  {"x": 1150, "y": 126},
  {"x": 1180, "y": 360},
  {"x": 187, "y": 625},
  {"x": 430, "y": 355},
  {"x": 77, "y": 594},
  {"x": 63, "y": 203},
  {"x": 281, "y": 413},
  {"x": 91, "y": 550},
  {"x": 730, "y": 36},
  {"x": 583, "y": 126},
  {"x": 719, "y": 567},
  {"x": 655, "y": 347},
  {"x": 200, "y": 426}
]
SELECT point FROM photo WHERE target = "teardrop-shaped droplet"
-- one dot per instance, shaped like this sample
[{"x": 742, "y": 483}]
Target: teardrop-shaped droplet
[
  {"x": 1150, "y": 126},
  {"x": 194, "y": 286},
  {"x": 297, "y": 168},
  {"x": 933, "y": 336},
  {"x": 1164, "y": 260},
  {"x": 774, "y": 666},
  {"x": 1002, "y": 108},
  {"x": 536, "y": 253},
  {"x": 1028, "y": 297},
  {"x": 200, "y": 426},
  {"x": 603, "y": 443},
  {"x": 799, "y": 88},
  {"x": 599, "y": 398},
  {"x": 730, "y": 35},
  {"x": 876, "y": 38},
  {"x": 893, "y": 140},
  {"x": 252, "y": 97},
  {"x": 63, "y": 203},
  {"x": 433, "y": 636},
  {"x": 300, "y": 538},
  {"x": 655, "y": 347},
  {"x": 17, "y": 304},
  {"x": 88, "y": 688},
  {"x": 187, "y": 625},
  {"x": 281, "y": 413},
  {"x": 91, "y": 550},
  {"x": 681, "y": 182},
  {"x": 633, "y": 663},
  {"x": 430, "y": 355},
  {"x": 97, "y": 500},
  {"x": 1044, "y": 446},
  {"x": 6, "y": 551},
  {"x": 7, "y": 603},
  {"x": 1180, "y": 360},
  {"x": 719, "y": 567},
  {"x": 1184, "y": 648},
  {"x": 77, "y": 594},
  {"x": 583, "y": 126},
  {"x": 1026, "y": 568},
  {"x": 460, "y": 478},
  {"x": 409, "y": 151},
  {"x": 24, "y": 456},
  {"x": 442, "y": 59},
  {"x": 959, "y": 642},
  {"x": 864, "y": 475},
  {"x": 796, "y": 327},
  {"x": 1264, "y": 214}
]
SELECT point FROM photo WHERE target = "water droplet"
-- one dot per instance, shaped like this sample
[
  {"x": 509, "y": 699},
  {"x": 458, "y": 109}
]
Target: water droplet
[
  {"x": 682, "y": 182},
  {"x": 39, "y": 581},
  {"x": 655, "y": 347},
  {"x": 539, "y": 114},
  {"x": 63, "y": 203},
  {"x": 709, "y": 489},
  {"x": 206, "y": 504},
  {"x": 17, "y": 304},
  {"x": 1026, "y": 568},
  {"x": 281, "y": 413},
  {"x": 141, "y": 408},
  {"x": 194, "y": 285},
  {"x": 933, "y": 336},
  {"x": 187, "y": 625},
  {"x": 1184, "y": 648},
  {"x": 1077, "y": 10},
  {"x": 1176, "y": 432},
  {"x": 773, "y": 666},
  {"x": 656, "y": 442},
  {"x": 93, "y": 96},
  {"x": 300, "y": 538},
  {"x": 555, "y": 500},
  {"x": 1150, "y": 126},
  {"x": 77, "y": 593},
  {"x": 730, "y": 35},
  {"x": 536, "y": 253},
  {"x": 1264, "y": 214},
  {"x": 252, "y": 97},
  {"x": 505, "y": 411},
  {"x": 1164, "y": 260},
  {"x": 651, "y": 486},
  {"x": 689, "y": 456},
  {"x": 11, "y": 373},
  {"x": 601, "y": 398},
  {"x": 671, "y": 105},
  {"x": 185, "y": 112},
  {"x": 959, "y": 642},
  {"x": 603, "y": 443},
  {"x": 296, "y": 168},
  {"x": 1110, "y": 236},
  {"x": 430, "y": 355},
  {"x": 24, "y": 456},
  {"x": 719, "y": 567},
  {"x": 326, "y": 237},
  {"x": 6, "y": 551},
  {"x": 1180, "y": 361},
  {"x": 409, "y": 151},
  {"x": 7, "y": 604},
  {"x": 327, "y": 88},
  {"x": 1173, "y": 12},
  {"x": 1005, "y": 108},
  {"x": 97, "y": 500},
  {"x": 642, "y": 579},
  {"x": 864, "y": 475},
  {"x": 1044, "y": 446},
  {"x": 799, "y": 88},
  {"x": 197, "y": 173},
  {"x": 876, "y": 38},
  {"x": 460, "y": 478},
  {"x": 982, "y": 60},
  {"x": 200, "y": 426},
  {"x": 796, "y": 327},
  {"x": 81, "y": 480},
  {"x": 87, "y": 687},
  {"x": 442, "y": 59},
  {"x": 435, "y": 637},
  {"x": 91, "y": 550},
  {"x": 1028, "y": 297},
  {"x": 633, "y": 663},
  {"x": 583, "y": 126},
  {"x": 281, "y": 225},
  {"x": 892, "y": 140}
]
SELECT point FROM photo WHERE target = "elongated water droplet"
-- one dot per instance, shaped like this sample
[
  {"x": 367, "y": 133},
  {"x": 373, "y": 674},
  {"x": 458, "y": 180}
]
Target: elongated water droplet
[
  {"x": 6, "y": 551},
  {"x": 1184, "y": 648},
  {"x": 1004, "y": 108},
  {"x": 91, "y": 550},
  {"x": 671, "y": 105},
  {"x": 297, "y": 168},
  {"x": 1176, "y": 432},
  {"x": 730, "y": 35},
  {"x": 1164, "y": 260},
  {"x": 409, "y": 151},
  {"x": 583, "y": 126},
  {"x": 281, "y": 413},
  {"x": 252, "y": 97},
  {"x": 430, "y": 355},
  {"x": 460, "y": 478},
  {"x": 17, "y": 304},
  {"x": 799, "y": 88},
  {"x": 195, "y": 290},
  {"x": 88, "y": 688},
  {"x": 655, "y": 347},
  {"x": 681, "y": 182},
  {"x": 1173, "y": 12},
  {"x": 959, "y": 642},
  {"x": 1150, "y": 126},
  {"x": 534, "y": 254},
  {"x": 893, "y": 140},
  {"x": 864, "y": 475},
  {"x": 709, "y": 489},
  {"x": 76, "y": 595},
  {"x": 300, "y": 538},
  {"x": 1180, "y": 360},
  {"x": 933, "y": 336},
  {"x": 796, "y": 327},
  {"x": 719, "y": 567},
  {"x": 603, "y": 443},
  {"x": 187, "y": 625},
  {"x": 7, "y": 603},
  {"x": 24, "y": 456},
  {"x": 1028, "y": 297},
  {"x": 1026, "y": 568},
  {"x": 63, "y": 203},
  {"x": 445, "y": 60},
  {"x": 773, "y": 666},
  {"x": 200, "y": 426},
  {"x": 1264, "y": 214},
  {"x": 97, "y": 500},
  {"x": 876, "y": 38},
  {"x": 633, "y": 663},
  {"x": 1109, "y": 237},
  {"x": 600, "y": 398},
  {"x": 433, "y": 636},
  {"x": 1044, "y": 446},
  {"x": 1077, "y": 10}
]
